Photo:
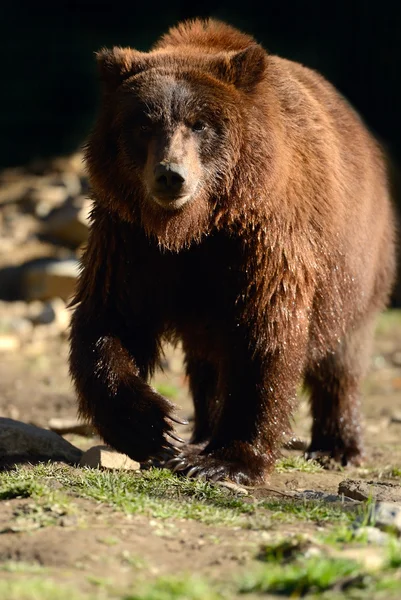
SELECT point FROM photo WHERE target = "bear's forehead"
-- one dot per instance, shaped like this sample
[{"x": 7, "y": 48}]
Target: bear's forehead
[{"x": 163, "y": 94}]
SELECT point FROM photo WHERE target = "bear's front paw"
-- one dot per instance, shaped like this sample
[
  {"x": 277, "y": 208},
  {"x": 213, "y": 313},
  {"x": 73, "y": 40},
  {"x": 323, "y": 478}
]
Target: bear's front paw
[
  {"x": 239, "y": 463},
  {"x": 143, "y": 431}
]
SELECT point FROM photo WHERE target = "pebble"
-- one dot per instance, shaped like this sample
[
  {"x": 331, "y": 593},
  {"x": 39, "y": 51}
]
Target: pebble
[{"x": 107, "y": 458}]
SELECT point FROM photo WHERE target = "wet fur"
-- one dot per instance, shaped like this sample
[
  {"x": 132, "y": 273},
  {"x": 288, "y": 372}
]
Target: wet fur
[{"x": 272, "y": 274}]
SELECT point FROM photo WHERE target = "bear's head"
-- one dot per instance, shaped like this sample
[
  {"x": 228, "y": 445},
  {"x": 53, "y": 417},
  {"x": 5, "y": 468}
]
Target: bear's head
[{"x": 165, "y": 149}]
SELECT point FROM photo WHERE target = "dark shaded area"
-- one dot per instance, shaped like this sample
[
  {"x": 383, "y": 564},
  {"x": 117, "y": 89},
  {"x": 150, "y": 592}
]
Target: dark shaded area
[{"x": 49, "y": 79}]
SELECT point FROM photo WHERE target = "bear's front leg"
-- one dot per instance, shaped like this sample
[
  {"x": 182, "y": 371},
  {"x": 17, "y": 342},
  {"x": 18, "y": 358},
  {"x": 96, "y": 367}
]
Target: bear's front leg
[
  {"x": 258, "y": 395},
  {"x": 109, "y": 369}
]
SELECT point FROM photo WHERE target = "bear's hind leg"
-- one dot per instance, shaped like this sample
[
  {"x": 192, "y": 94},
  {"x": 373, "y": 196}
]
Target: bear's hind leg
[
  {"x": 202, "y": 383},
  {"x": 334, "y": 383}
]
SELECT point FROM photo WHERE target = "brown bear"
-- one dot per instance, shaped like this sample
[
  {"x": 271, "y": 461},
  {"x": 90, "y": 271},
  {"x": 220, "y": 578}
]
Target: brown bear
[{"x": 241, "y": 207}]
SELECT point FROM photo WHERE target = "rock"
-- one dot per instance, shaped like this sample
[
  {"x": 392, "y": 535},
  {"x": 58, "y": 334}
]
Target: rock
[
  {"x": 395, "y": 417},
  {"x": 372, "y": 559},
  {"x": 9, "y": 343},
  {"x": 386, "y": 516},
  {"x": 107, "y": 458},
  {"x": 233, "y": 487},
  {"x": 396, "y": 358},
  {"x": 69, "y": 224},
  {"x": 372, "y": 535},
  {"x": 363, "y": 490},
  {"x": 45, "y": 197},
  {"x": 62, "y": 426},
  {"x": 54, "y": 311},
  {"x": 322, "y": 496},
  {"x": 50, "y": 278},
  {"x": 21, "y": 442},
  {"x": 21, "y": 326},
  {"x": 295, "y": 443}
]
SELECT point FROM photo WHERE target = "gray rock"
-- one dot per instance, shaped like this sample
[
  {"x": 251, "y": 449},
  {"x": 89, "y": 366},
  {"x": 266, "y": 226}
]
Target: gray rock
[
  {"x": 22, "y": 442},
  {"x": 372, "y": 535},
  {"x": 69, "y": 224},
  {"x": 314, "y": 495},
  {"x": 359, "y": 489},
  {"x": 386, "y": 516},
  {"x": 50, "y": 278}
]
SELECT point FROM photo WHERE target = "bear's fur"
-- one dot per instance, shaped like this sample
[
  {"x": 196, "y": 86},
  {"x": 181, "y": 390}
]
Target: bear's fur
[{"x": 240, "y": 206}]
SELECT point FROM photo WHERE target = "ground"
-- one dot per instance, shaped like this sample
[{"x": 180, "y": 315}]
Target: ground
[{"x": 74, "y": 533}]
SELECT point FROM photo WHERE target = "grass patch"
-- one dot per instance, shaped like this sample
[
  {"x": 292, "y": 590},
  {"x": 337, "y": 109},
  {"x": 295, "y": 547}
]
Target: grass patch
[
  {"x": 39, "y": 589},
  {"x": 160, "y": 494},
  {"x": 307, "y": 510},
  {"x": 15, "y": 566},
  {"x": 309, "y": 575},
  {"x": 168, "y": 390},
  {"x": 19, "y": 487},
  {"x": 297, "y": 463},
  {"x": 177, "y": 588}
]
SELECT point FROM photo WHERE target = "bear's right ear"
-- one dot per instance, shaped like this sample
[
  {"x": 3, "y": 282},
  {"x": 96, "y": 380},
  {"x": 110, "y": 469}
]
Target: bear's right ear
[{"x": 116, "y": 65}]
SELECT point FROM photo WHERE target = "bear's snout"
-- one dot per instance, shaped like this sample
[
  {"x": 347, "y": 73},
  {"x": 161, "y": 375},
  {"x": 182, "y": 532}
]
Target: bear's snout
[{"x": 169, "y": 180}]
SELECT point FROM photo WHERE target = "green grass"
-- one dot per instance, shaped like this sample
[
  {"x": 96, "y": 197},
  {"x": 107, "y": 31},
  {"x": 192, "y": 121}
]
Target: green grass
[
  {"x": 160, "y": 494},
  {"x": 168, "y": 390},
  {"x": 39, "y": 589},
  {"x": 297, "y": 463},
  {"x": 15, "y": 486},
  {"x": 176, "y": 588},
  {"x": 314, "y": 574},
  {"x": 14, "y": 566}
]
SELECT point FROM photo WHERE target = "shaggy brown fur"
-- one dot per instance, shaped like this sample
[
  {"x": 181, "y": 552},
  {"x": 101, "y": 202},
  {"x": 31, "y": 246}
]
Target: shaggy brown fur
[{"x": 241, "y": 206}]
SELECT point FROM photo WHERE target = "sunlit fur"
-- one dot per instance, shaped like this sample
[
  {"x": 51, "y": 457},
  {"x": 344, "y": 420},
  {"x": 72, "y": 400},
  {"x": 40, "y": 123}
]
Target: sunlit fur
[{"x": 271, "y": 273}]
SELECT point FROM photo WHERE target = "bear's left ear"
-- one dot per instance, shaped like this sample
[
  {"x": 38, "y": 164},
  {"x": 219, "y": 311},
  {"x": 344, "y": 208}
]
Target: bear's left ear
[
  {"x": 244, "y": 69},
  {"x": 118, "y": 64}
]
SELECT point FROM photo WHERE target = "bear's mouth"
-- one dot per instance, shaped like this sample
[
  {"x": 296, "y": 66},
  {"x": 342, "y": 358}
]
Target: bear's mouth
[{"x": 171, "y": 202}]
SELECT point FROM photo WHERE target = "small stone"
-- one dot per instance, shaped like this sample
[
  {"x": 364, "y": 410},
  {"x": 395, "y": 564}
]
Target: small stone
[
  {"x": 371, "y": 558},
  {"x": 322, "y": 496},
  {"x": 21, "y": 326},
  {"x": 363, "y": 490},
  {"x": 63, "y": 426},
  {"x": 233, "y": 487},
  {"x": 395, "y": 417},
  {"x": 52, "y": 195},
  {"x": 9, "y": 343},
  {"x": 53, "y": 311},
  {"x": 22, "y": 442},
  {"x": 107, "y": 458},
  {"x": 396, "y": 358},
  {"x": 386, "y": 516},
  {"x": 69, "y": 224},
  {"x": 296, "y": 443},
  {"x": 372, "y": 535}
]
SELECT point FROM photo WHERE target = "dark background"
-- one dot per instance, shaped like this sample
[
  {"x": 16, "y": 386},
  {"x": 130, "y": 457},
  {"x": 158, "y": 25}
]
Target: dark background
[{"x": 48, "y": 76}]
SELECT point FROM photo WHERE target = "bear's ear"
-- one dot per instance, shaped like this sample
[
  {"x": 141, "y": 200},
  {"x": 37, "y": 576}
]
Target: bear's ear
[
  {"x": 118, "y": 64},
  {"x": 244, "y": 69}
]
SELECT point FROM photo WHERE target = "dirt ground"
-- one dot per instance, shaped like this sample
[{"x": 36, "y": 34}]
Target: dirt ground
[{"x": 105, "y": 545}]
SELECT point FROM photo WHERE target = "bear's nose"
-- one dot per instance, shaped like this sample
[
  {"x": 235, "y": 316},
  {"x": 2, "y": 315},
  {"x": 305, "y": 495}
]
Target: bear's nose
[{"x": 169, "y": 177}]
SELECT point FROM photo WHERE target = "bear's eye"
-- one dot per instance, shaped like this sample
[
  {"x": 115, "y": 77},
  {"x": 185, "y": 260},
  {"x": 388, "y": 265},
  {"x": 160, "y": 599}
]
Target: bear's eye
[
  {"x": 198, "y": 126},
  {"x": 144, "y": 128}
]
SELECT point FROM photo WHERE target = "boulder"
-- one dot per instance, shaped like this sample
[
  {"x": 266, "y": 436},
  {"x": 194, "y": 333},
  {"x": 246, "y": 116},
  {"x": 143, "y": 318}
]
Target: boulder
[
  {"x": 20, "y": 442},
  {"x": 50, "y": 278}
]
